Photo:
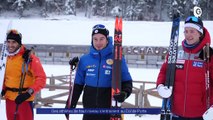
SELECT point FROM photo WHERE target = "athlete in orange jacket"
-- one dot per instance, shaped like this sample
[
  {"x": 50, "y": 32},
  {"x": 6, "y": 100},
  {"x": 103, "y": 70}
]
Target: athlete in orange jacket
[{"x": 21, "y": 64}]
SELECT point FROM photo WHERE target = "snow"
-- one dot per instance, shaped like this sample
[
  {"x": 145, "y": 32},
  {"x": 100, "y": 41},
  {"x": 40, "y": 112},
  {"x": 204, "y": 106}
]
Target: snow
[
  {"x": 75, "y": 31},
  {"x": 137, "y": 74}
]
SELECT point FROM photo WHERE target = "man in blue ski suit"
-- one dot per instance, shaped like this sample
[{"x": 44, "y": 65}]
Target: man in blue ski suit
[{"x": 94, "y": 76}]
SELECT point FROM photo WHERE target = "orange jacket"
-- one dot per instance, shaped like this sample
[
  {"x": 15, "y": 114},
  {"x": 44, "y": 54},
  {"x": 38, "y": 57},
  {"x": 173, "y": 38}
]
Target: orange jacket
[{"x": 35, "y": 76}]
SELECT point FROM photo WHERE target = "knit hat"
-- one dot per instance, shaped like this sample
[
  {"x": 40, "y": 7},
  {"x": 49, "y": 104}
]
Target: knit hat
[
  {"x": 194, "y": 22},
  {"x": 99, "y": 28},
  {"x": 15, "y": 35}
]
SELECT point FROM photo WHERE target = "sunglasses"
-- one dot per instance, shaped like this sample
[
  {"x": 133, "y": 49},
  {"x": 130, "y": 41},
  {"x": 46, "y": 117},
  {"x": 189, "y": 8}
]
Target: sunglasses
[
  {"x": 192, "y": 18},
  {"x": 98, "y": 26}
]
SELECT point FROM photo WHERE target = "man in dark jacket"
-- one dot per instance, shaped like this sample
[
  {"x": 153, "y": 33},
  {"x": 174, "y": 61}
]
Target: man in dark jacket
[{"x": 94, "y": 75}]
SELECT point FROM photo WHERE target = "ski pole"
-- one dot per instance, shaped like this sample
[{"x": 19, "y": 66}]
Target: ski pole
[
  {"x": 73, "y": 64},
  {"x": 206, "y": 58},
  {"x": 68, "y": 103}
]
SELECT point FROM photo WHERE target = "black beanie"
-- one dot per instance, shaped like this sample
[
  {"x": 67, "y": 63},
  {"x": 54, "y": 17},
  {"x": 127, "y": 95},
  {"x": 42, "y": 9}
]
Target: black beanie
[
  {"x": 14, "y": 35},
  {"x": 194, "y": 22},
  {"x": 99, "y": 28}
]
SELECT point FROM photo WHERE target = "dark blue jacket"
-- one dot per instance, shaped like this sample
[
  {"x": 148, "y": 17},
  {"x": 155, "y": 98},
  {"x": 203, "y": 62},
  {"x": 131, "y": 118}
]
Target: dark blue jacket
[
  {"x": 95, "y": 68},
  {"x": 94, "y": 76}
]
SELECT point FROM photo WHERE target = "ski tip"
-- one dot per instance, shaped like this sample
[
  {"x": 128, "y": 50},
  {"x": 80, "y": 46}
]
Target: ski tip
[
  {"x": 118, "y": 24},
  {"x": 118, "y": 18}
]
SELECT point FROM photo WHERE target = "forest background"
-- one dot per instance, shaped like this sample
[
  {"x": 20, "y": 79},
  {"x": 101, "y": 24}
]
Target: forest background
[{"x": 131, "y": 10}]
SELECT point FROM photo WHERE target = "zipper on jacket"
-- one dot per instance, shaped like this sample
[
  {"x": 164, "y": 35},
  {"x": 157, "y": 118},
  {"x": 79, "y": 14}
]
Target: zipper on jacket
[
  {"x": 97, "y": 88},
  {"x": 186, "y": 80}
]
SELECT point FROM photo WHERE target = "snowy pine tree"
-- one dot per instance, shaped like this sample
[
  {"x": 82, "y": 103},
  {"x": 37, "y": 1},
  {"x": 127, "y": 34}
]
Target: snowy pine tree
[
  {"x": 207, "y": 8},
  {"x": 19, "y": 5},
  {"x": 88, "y": 8},
  {"x": 177, "y": 6},
  {"x": 131, "y": 13},
  {"x": 99, "y": 7},
  {"x": 140, "y": 9},
  {"x": 70, "y": 7},
  {"x": 128, "y": 9}
]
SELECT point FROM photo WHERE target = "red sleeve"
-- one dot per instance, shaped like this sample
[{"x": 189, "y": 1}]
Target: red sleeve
[
  {"x": 211, "y": 80},
  {"x": 38, "y": 73},
  {"x": 162, "y": 74}
]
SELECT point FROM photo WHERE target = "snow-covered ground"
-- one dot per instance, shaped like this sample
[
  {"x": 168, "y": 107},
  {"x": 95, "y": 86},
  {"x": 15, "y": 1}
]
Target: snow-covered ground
[{"x": 137, "y": 74}]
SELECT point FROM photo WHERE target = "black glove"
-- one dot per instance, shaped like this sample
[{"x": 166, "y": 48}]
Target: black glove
[
  {"x": 3, "y": 93},
  {"x": 120, "y": 97},
  {"x": 73, "y": 62},
  {"x": 26, "y": 55},
  {"x": 22, "y": 97}
]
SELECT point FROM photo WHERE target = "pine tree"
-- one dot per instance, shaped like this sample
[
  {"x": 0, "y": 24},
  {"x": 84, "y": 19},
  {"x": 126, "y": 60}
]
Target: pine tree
[
  {"x": 128, "y": 9},
  {"x": 131, "y": 13},
  {"x": 207, "y": 8},
  {"x": 70, "y": 7},
  {"x": 177, "y": 5},
  {"x": 88, "y": 8},
  {"x": 20, "y": 5}
]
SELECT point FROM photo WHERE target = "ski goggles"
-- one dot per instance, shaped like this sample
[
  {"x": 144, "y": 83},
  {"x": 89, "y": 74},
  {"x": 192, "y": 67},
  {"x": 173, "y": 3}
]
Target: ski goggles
[
  {"x": 98, "y": 26},
  {"x": 192, "y": 18}
]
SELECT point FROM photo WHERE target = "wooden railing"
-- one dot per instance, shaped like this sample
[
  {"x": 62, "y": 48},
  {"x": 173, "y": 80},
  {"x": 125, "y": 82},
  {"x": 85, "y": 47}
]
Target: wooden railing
[{"x": 59, "y": 87}]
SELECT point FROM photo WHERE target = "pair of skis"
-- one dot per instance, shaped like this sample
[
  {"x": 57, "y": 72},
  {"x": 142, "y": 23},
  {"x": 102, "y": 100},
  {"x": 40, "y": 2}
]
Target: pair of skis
[
  {"x": 170, "y": 72},
  {"x": 116, "y": 69}
]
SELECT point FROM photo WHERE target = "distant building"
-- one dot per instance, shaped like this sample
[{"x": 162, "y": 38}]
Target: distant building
[{"x": 136, "y": 57}]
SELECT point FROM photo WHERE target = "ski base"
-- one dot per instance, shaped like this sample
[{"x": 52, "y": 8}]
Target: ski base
[
  {"x": 116, "y": 69},
  {"x": 170, "y": 72}
]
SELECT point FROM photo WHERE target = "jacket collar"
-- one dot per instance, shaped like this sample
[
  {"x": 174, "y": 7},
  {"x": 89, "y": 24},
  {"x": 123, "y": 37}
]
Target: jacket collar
[{"x": 17, "y": 52}]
